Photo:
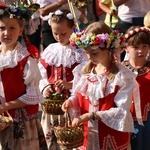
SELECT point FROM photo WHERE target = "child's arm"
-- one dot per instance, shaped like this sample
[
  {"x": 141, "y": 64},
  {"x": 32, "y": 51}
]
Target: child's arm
[
  {"x": 44, "y": 82},
  {"x": 83, "y": 118},
  {"x": 11, "y": 105},
  {"x": 51, "y": 7},
  {"x": 119, "y": 117}
]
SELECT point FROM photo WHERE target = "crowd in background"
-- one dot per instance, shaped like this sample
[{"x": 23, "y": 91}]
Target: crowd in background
[{"x": 111, "y": 95}]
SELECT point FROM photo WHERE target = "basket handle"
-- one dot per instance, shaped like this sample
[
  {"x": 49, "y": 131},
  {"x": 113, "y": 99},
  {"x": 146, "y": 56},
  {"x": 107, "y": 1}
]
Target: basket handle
[
  {"x": 9, "y": 115},
  {"x": 67, "y": 120}
]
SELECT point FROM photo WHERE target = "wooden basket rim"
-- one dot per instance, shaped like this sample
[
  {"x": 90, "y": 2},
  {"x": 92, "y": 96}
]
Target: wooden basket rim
[{"x": 50, "y": 100}]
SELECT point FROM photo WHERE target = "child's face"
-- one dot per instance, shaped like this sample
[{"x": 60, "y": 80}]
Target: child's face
[
  {"x": 9, "y": 31},
  {"x": 61, "y": 32},
  {"x": 138, "y": 52},
  {"x": 98, "y": 56}
]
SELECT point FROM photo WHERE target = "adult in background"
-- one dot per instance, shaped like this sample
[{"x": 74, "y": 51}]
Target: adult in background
[
  {"x": 111, "y": 11},
  {"x": 131, "y": 13}
]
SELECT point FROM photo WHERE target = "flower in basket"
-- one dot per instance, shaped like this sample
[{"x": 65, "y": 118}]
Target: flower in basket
[
  {"x": 53, "y": 103},
  {"x": 56, "y": 96}
]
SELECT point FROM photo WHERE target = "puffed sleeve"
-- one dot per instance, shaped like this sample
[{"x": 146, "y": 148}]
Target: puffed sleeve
[
  {"x": 77, "y": 73},
  {"x": 32, "y": 77},
  {"x": 120, "y": 118},
  {"x": 44, "y": 82}
]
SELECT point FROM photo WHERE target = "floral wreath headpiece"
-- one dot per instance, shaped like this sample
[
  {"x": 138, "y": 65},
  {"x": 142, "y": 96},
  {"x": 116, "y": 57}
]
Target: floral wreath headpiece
[
  {"x": 112, "y": 41},
  {"x": 136, "y": 30},
  {"x": 19, "y": 10},
  {"x": 59, "y": 13}
]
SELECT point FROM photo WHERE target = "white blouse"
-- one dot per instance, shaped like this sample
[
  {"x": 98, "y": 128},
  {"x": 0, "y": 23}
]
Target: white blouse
[
  {"x": 91, "y": 86},
  {"x": 57, "y": 55},
  {"x": 31, "y": 74}
]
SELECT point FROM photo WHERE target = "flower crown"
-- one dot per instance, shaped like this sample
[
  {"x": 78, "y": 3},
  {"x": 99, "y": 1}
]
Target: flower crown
[
  {"x": 59, "y": 13},
  {"x": 112, "y": 41},
  {"x": 19, "y": 10},
  {"x": 136, "y": 30}
]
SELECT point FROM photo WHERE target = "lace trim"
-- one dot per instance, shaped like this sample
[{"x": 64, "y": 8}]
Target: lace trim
[
  {"x": 11, "y": 58},
  {"x": 92, "y": 85},
  {"x": 139, "y": 71},
  {"x": 33, "y": 96},
  {"x": 56, "y": 55},
  {"x": 118, "y": 119}
]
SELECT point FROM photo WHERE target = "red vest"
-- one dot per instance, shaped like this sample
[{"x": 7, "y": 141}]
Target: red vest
[
  {"x": 51, "y": 72},
  {"x": 103, "y": 130},
  {"x": 14, "y": 87}
]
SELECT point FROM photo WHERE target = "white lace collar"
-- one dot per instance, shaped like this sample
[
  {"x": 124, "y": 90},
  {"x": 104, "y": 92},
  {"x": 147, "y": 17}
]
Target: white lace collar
[
  {"x": 92, "y": 85},
  {"x": 11, "y": 58},
  {"x": 56, "y": 55}
]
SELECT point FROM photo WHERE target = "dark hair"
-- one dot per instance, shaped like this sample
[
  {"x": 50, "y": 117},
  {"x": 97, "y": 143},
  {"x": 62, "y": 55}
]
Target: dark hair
[
  {"x": 60, "y": 18},
  {"x": 140, "y": 37}
]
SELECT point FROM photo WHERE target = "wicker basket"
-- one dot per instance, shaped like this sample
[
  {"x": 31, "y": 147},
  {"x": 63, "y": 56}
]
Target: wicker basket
[
  {"x": 67, "y": 136},
  {"x": 53, "y": 104},
  {"x": 52, "y": 107},
  {"x": 5, "y": 121}
]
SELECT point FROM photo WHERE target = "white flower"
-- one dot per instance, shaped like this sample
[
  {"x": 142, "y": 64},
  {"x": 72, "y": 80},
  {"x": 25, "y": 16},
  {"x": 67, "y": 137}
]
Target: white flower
[
  {"x": 13, "y": 9},
  {"x": 69, "y": 16},
  {"x": 58, "y": 12}
]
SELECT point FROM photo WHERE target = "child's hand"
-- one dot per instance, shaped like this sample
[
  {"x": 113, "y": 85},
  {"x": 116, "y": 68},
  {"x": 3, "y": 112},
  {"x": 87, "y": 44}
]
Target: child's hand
[
  {"x": 63, "y": 85},
  {"x": 76, "y": 121},
  {"x": 66, "y": 105},
  {"x": 83, "y": 118},
  {"x": 48, "y": 92}
]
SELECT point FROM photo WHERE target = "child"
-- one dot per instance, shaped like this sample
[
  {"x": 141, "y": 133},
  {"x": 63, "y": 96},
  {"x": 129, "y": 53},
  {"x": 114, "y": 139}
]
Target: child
[
  {"x": 146, "y": 24},
  {"x": 103, "y": 93},
  {"x": 57, "y": 62},
  {"x": 19, "y": 91},
  {"x": 138, "y": 40}
]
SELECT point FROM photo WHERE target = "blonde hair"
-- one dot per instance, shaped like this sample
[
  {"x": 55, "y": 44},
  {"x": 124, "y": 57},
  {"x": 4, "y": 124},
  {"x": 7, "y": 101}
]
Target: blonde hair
[
  {"x": 147, "y": 20},
  {"x": 99, "y": 28}
]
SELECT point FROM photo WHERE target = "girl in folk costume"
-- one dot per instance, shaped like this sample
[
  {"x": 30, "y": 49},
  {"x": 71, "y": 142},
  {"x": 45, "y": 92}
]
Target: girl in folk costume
[
  {"x": 19, "y": 84},
  {"x": 138, "y": 46},
  {"x": 103, "y": 94},
  {"x": 57, "y": 62}
]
